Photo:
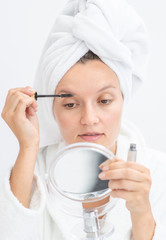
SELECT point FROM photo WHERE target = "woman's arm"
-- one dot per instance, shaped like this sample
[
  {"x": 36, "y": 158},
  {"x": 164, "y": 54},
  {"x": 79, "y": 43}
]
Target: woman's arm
[
  {"x": 19, "y": 113},
  {"x": 132, "y": 182},
  {"x": 143, "y": 225},
  {"x": 21, "y": 177}
]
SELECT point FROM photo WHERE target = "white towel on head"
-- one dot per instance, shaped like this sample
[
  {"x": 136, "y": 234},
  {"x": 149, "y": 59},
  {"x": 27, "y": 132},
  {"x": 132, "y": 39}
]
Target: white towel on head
[{"x": 109, "y": 28}]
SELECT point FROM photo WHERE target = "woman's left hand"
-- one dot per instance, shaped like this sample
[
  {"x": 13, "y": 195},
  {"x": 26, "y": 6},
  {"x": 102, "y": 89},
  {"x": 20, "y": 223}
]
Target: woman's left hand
[{"x": 130, "y": 181}]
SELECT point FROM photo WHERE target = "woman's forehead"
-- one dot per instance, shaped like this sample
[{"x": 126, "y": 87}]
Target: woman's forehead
[
  {"x": 65, "y": 89},
  {"x": 94, "y": 74}
]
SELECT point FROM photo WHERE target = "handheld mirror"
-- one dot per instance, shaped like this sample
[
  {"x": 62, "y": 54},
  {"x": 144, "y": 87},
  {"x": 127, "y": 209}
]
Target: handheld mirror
[
  {"x": 73, "y": 183},
  {"x": 74, "y": 172}
]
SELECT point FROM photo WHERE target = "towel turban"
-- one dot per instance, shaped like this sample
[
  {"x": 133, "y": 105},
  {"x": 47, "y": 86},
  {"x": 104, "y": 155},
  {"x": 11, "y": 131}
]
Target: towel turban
[{"x": 109, "y": 28}]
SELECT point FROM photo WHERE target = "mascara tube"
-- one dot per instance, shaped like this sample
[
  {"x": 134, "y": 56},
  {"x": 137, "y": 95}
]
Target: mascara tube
[{"x": 132, "y": 153}]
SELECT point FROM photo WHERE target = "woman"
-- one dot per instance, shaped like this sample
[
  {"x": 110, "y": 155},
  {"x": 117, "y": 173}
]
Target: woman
[{"x": 101, "y": 84}]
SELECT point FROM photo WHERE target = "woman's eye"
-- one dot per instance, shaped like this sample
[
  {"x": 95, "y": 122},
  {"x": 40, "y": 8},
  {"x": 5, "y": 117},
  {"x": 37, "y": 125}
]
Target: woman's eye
[
  {"x": 70, "y": 105},
  {"x": 105, "y": 101}
]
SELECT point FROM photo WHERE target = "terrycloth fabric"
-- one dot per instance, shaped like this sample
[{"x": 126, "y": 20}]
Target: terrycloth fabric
[
  {"x": 42, "y": 222},
  {"x": 111, "y": 29},
  {"x": 16, "y": 221}
]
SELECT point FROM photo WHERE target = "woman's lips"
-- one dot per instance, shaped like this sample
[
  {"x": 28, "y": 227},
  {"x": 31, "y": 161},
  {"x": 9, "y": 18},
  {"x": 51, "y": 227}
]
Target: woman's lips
[{"x": 91, "y": 137}]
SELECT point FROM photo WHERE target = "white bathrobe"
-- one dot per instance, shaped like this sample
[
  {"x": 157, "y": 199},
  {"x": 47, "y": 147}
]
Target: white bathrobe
[{"x": 43, "y": 222}]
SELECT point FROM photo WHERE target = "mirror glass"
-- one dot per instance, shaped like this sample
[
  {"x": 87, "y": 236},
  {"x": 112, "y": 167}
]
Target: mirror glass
[{"x": 74, "y": 172}]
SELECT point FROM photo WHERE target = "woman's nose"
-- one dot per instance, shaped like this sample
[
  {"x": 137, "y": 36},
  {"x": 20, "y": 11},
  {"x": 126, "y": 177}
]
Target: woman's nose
[{"x": 89, "y": 116}]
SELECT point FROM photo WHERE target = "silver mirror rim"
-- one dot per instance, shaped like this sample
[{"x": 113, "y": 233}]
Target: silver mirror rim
[{"x": 86, "y": 197}]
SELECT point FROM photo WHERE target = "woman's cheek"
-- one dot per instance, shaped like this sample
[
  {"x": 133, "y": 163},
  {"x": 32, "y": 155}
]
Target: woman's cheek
[
  {"x": 113, "y": 122},
  {"x": 113, "y": 117},
  {"x": 63, "y": 120},
  {"x": 66, "y": 122}
]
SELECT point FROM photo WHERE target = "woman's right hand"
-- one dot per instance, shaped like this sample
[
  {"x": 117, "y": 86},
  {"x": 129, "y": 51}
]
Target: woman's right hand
[{"x": 19, "y": 113}]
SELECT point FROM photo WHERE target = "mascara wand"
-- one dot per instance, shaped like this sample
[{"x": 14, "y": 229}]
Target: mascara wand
[{"x": 36, "y": 96}]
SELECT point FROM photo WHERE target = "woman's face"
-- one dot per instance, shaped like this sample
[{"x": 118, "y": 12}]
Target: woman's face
[{"x": 93, "y": 114}]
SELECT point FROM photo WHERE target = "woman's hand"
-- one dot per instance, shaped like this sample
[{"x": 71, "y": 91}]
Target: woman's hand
[
  {"x": 132, "y": 182},
  {"x": 19, "y": 113}
]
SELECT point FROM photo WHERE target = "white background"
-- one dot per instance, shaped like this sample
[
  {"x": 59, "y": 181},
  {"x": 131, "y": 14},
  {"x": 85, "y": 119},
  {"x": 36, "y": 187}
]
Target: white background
[{"x": 24, "y": 26}]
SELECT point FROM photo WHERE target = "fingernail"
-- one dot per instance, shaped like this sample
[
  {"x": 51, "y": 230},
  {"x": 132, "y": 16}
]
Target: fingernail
[
  {"x": 102, "y": 175},
  {"x": 30, "y": 89},
  {"x": 102, "y": 165},
  {"x": 106, "y": 168}
]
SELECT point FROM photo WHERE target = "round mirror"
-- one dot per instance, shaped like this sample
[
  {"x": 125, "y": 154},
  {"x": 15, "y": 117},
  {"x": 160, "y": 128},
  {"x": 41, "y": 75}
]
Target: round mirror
[
  {"x": 73, "y": 187},
  {"x": 74, "y": 172}
]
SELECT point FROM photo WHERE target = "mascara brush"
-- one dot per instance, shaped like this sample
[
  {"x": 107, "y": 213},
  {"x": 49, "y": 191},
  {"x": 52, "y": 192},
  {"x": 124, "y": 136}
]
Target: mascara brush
[{"x": 36, "y": 96}]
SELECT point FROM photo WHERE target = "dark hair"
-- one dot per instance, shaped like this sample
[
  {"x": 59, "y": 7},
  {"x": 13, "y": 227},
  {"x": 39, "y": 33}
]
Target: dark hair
[{"x": 88, "y": 56}]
